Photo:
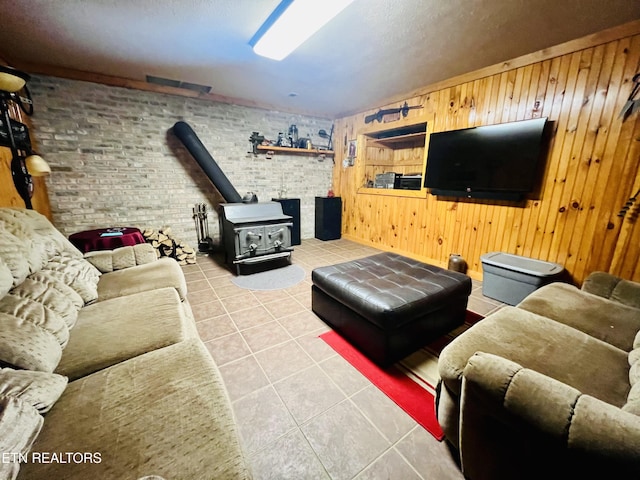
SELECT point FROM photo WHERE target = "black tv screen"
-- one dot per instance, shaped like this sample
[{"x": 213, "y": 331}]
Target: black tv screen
[{"x": 493, "y": 161}]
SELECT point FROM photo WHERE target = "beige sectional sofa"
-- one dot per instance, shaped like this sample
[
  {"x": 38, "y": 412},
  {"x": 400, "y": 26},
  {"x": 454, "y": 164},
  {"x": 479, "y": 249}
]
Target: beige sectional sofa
[
  {"x": 103, "y": 374},
  {"x": 549, "y": 388}
]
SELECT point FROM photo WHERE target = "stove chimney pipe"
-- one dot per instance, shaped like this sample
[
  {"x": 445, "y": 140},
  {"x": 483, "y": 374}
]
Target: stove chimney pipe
[{"x": 190, "y": 140}]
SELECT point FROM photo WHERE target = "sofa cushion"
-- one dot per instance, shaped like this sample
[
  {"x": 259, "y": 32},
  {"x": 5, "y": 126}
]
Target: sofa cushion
[
  {"x": 33, "y": 311},
  {"x": 164, "y": 272},
  {"x": 53, "y": 300},
  {"x": 599, "y": 317},
  {"x": 24, "y": 344},
  {"x": 29, "y": 237},
  {"x": 20, "y": 424},
  {"x": 35, "y": 252},
  {"x": 633, "y": 401},
  {"x": 540, "y": 344},
  {"x": 38, "y": 227},
  {"x": 14, "y": 254},
  {"x": 115, "y": 330},
  {"x": 38, "y": 389},
  {"x": 634, "y": 370},
  {"x": 6, "y": 278},
  {"x": 613, "y": 287},
  {"x": 165, "y": 413},
  {"x": 123, "y": 257},
  {"x": 52, "y": 281},
  {"x": 54, "y": 294},
  {"x": 108, "y": 261},
  {"x": 627, "y": 293},
  {"x": 77, "y": 273}
]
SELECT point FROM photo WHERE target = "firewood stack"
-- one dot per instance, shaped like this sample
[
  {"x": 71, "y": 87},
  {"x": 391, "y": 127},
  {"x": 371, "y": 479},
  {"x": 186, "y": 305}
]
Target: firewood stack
[{"x": 167, "y": 246}]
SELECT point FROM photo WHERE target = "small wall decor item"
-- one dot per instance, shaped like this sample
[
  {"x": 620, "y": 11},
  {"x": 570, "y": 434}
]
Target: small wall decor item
[
  {"x": 256, "y": 139},
  {"x": 351, "y": 154},
  {"x": 352, "y": 149},
  {"x": 20, "y": 133},
  {"x": 379, "y": 115},
  {"x": 632, "y": 104},
  {"x": 628, "y": 205},
  {"x": 328, "y": 137}
]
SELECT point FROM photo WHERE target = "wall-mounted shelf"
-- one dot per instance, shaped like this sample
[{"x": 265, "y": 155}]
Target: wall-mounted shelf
[
  {"x": 401, "y": 141},
  {"x": 294, "y": 151},
  {"x": 393, "y": 192}
]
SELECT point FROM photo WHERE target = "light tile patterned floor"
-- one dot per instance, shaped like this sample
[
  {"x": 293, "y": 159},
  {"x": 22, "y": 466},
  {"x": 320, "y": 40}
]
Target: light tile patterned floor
[{"x": 302, "y": 411}]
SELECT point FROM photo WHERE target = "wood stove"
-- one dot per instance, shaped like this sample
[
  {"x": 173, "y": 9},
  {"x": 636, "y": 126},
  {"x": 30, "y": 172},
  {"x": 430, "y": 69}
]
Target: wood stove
[
  {"x": 255, "y": 232},
  {"x": 252, "y": 232}
]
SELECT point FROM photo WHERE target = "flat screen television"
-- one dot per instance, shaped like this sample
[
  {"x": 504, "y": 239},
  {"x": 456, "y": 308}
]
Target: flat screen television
[{"x": 492, "y": 162}]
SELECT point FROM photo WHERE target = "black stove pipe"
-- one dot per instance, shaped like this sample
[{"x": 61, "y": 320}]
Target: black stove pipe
[{"x": 190, "y": 140}]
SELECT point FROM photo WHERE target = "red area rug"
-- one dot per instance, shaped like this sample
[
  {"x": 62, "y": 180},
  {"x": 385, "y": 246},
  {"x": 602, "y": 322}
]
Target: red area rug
[{"x": 405, "y": 383}]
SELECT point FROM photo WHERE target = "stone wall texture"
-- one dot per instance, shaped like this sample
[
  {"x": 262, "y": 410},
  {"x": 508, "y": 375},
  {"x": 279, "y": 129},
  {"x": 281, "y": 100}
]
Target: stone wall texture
[{"x": 116, "y": 162}]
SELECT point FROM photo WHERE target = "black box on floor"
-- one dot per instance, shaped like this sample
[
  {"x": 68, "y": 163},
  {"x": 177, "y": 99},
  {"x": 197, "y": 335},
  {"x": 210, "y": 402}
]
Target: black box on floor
[{"x": 328, "y": 218}]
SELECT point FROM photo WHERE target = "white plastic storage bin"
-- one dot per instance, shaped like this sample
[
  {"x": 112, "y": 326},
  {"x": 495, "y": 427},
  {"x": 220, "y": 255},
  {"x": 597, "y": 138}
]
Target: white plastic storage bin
[{"x": 510, "y": 278}]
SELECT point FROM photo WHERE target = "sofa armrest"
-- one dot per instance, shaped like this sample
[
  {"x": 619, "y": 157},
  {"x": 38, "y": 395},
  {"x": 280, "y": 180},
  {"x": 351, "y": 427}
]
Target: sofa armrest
[
  {"x": 518, "y": 423},
  {"x": 124, "y": 257},
  {"x": 612, "y": 287}
]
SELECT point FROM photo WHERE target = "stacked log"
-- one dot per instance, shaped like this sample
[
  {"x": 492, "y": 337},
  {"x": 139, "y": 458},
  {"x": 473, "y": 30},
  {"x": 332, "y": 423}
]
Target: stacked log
[{"x": 166, "y": 245}]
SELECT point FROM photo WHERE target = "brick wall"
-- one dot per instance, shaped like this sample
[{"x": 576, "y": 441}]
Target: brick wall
[{"x": 115, "y": 161}]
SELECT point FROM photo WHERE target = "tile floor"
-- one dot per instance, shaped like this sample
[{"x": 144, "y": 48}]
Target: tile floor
[{"x": 303, "y": 412}]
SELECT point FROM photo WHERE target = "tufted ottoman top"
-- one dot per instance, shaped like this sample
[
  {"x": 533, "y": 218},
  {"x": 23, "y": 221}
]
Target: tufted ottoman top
[{"x": 389, "y": 289}]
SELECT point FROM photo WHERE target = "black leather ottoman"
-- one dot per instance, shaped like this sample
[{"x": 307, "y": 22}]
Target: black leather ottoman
[{"x": 388, "y": 305}]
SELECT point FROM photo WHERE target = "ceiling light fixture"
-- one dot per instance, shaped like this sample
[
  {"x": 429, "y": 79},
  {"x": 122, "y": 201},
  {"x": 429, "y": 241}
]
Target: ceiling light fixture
[{"x": 291, "y": 23}]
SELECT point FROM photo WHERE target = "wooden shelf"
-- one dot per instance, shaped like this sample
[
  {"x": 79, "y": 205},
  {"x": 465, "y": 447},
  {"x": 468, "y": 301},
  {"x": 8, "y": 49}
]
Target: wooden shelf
[
  {"x": 294, "y": 151},
  {"x": 401, "y": 141},
  {"x": 397, "y": 148},
  {"x": 393, "y": 192}
]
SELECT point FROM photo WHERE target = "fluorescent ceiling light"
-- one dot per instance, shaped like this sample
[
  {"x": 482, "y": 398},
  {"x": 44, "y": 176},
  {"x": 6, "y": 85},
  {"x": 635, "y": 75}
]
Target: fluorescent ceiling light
[{"x": 291, "y": 23}]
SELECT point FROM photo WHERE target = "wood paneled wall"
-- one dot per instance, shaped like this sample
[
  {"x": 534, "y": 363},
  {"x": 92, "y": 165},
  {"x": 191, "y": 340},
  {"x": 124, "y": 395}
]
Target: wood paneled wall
[{"x": 591, "y": 169}]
